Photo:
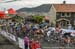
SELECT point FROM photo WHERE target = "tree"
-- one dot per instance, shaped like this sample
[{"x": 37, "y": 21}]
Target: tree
[
  {"x": 37, "y": 19},
  {"x": 17, "y": 18}
]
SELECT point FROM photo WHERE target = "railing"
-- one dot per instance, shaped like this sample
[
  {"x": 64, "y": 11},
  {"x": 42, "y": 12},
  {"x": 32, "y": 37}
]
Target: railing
[{"x": 9, "y": 36}]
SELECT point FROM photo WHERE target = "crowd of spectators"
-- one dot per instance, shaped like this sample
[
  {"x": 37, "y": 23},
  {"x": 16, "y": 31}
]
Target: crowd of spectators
[{"x": 32, "y": 33}]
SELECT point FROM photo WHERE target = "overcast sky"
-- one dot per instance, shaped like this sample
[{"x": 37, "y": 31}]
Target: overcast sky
[{"x": 30, "y": 3}]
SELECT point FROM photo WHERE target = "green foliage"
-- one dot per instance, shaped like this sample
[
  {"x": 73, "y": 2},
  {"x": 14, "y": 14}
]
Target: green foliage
[
  {"x": 52, "y": 24},
  {"x": 17, "y": 18},
  {"x": 37, "y": 19}
]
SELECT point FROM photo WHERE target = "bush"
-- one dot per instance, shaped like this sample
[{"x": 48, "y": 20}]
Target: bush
[{"x": 37, "y": 19}]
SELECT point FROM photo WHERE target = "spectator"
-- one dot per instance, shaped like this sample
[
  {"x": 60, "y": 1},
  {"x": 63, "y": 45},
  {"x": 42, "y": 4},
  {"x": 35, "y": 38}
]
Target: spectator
[
  {"x": 74, "y": 27},
  {"x": 69, "y": 26},
  {"x": 48, "y": 34},
  {"x": 32, "y": 44},
  {"x": 26, "y": 42},
  {"x": 35, "y": 44},
  {"x": 67, "y": 40}
]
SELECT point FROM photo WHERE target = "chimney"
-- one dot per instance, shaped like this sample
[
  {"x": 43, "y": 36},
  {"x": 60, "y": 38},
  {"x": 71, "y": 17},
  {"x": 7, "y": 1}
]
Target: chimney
[{"x": 64, "y": 2}]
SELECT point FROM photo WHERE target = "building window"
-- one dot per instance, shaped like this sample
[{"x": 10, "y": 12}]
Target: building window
[
  {"x": 58, "y": 14},
  {"x": 68, "y": 14},
  {"x": 63, "y": 14},
  {"x": 73, "y": 14}
]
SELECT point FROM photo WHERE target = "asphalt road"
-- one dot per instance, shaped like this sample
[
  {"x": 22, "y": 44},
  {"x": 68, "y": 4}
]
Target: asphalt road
[{"x": 5, "y": 44}]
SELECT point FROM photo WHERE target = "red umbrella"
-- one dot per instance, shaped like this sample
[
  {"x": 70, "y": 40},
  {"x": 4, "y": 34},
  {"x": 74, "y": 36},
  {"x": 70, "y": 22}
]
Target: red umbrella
[
  {"x": 2, "y": 14},
  {"x": 11, "y": 11}
]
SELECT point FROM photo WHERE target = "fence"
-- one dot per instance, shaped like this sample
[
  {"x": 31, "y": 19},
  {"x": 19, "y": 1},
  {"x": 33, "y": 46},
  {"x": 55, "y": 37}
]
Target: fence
[{"x": 10, "y": 36}]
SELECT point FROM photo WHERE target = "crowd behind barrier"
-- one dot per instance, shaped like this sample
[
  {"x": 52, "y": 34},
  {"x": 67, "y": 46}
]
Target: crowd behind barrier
[
  {"x": 17, "y": 32},
  {"x": 12, "y": 37}
]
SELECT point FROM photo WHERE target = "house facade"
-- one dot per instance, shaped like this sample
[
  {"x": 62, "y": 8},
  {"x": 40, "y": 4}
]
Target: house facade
[
  {"x": 42, "y": 10},
  {"x": 57, "y": 13},
  {"x": 65, "y": 14}
]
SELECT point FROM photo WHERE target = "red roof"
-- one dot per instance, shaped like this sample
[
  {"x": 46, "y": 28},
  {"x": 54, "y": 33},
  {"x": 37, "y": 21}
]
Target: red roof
[
  {"x": 11, "y": 11},
  {"x": 2, "y": 14},
  {"x": 64, "y": 7}
]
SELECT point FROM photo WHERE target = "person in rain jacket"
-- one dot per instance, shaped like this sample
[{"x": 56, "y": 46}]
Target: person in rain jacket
[
  {"x": 35, "y": 45},
  {"x": 26, "y": 42},
  {"x": 32, "y": 44}
]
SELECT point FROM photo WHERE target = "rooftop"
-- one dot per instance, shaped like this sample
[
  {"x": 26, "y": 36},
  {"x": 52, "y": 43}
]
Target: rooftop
[{"x": 64, "y": 7}]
